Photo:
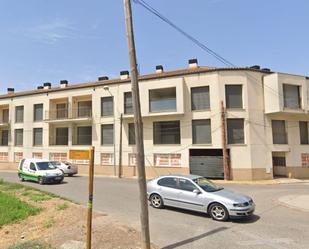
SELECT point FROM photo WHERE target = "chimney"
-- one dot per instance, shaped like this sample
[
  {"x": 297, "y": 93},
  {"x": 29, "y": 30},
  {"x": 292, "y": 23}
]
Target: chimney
[
  {"x": 124, "y": 75},
  {"x": 257, "y": 67},
  {"x": 193, "y": 63},
  {"x": 10, "y": 90},
  {"x": 102, "y": 78},
  {"x": 159, "y": 69},
  {"x": 266, "y": 69},
  {"x": 47, "y": 85},
  {"x": 40, "y": 87},
  {"x": 63, "y": 83}
]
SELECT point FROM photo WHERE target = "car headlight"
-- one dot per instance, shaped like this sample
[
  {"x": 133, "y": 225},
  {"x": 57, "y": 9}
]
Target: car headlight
[{"x": 245, "y": 204}]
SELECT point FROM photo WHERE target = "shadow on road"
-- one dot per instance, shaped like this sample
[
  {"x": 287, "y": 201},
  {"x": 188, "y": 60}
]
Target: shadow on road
[
  {"x": 190, "y": 240},
  {"x": 253, "y": 218}
]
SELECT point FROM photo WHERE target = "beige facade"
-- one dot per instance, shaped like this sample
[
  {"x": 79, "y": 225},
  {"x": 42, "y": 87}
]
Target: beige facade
[{"x": 70, "y": 112}]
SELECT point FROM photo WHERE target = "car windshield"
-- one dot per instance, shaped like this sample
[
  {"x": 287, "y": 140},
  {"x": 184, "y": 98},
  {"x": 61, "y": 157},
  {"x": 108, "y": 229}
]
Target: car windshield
[
  {"x": 207, "y": 185},
  {"x": 45, "y": 165},
  {"x": 55, "y": 163}
]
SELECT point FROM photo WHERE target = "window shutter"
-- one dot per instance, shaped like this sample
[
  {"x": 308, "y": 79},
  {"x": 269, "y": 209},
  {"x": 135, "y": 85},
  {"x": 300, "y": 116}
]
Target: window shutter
[
  {"x": 303, "y": 131},
  {"x": 107, "y": 133},
  {"x": 233, "y": 95},
  {"x": 128, "y": 104},
  {"x": 279, "y": 132},
  {"x": 235, "y": 131},
  {"x": 38, "y": 112},
  {"x": 201, "y": 131},
  {"x": 291, "y": 96},
  {"x": 131, "y": 133},
  {"x": 19, "y": 137},
  {"x": 200, "y": 98},
  {"x": 107, "y": 106}
]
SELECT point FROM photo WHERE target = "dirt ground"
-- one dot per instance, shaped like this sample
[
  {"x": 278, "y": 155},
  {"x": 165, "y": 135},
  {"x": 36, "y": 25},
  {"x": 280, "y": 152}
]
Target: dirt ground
[{"x": 61, "y": 221}]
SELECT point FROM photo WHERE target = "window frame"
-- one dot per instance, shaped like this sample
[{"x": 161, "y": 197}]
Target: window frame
[
  {"x": 229, "y": 142},
  {"x": 275, "y": 132},
  {"x": 299, "y": 98},
  {"x": 113, "y": 135},
  {"x": 102, "y": 109},
  {"x": 20, "y": 108},
  {"x": 150, "y": 99},
  {"x": 125, "y": 107},
  {"x": 155, "y": 140},
  {"x": 35, "y": 119},
  {"x": 33, "y": 137},
  {"x": 192, "y": 93},
  {"x": 300, "y": 133},
  {"x": 227, "y": 101},
  {"x": 130, "y": 136},
  {"x": 194, "y": 136},
  {"x": 15, "y": 137}
]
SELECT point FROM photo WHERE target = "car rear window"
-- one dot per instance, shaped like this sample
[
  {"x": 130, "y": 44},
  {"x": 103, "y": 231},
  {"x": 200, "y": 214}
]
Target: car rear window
[{"x": 170, "y": 182}]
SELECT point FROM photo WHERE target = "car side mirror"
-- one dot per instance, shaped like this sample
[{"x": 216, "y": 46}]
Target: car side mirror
[{"x": 196, "y": 191}]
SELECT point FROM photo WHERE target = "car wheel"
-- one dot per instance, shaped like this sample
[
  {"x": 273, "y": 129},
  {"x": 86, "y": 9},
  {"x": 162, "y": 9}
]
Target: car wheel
[
  {"x": 156, "y": 201},
  {"x": 218, "y": 212},
  {"x": 40, "y": 179}
]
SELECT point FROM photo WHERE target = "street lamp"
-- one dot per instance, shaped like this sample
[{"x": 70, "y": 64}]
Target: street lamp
[{"x": 106, "y": 88}]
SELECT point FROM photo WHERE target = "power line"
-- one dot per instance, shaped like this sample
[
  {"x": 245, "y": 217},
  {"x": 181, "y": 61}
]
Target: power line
[{"x": 184, "y": 33}]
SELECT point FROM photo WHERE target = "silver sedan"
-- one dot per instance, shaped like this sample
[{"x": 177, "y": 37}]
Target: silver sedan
[{"x": 197, "y": 193}]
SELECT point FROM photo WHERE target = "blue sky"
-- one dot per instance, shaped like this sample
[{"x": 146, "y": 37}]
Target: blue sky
[{"x": 78, "y": 40}]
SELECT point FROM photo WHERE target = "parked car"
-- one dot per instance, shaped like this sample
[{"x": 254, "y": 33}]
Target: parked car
[
  {"x": 197, "y": 193},
  {"x": 39, "y": 170},
  {"x": 66, "y": 167}
]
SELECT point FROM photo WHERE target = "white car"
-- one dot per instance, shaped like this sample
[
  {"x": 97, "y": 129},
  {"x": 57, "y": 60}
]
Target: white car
[
  {"x": 66, "y": 167},
  {"x": 39, "y": 170}
]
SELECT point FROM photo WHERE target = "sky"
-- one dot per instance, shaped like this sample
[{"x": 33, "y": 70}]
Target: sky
[{"x": 77, "y": 40}]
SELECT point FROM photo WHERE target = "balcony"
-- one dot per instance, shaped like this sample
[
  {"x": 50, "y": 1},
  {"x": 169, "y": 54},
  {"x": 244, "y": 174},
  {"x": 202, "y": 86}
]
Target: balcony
[
  {"x": 4, "y": 117},
  {"x": 69, "y": 114},
  {"x": 286, "y": 94}
]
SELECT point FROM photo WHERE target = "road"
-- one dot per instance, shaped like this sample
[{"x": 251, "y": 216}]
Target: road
[{"x": 273, "y": 226}]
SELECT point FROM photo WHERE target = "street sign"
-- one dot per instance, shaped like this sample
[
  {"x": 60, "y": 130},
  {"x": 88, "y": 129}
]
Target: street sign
[{"x": 79, "y": 154}]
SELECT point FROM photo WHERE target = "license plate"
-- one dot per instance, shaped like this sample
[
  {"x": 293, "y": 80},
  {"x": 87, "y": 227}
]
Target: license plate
[{"x": 57, "y": 178}]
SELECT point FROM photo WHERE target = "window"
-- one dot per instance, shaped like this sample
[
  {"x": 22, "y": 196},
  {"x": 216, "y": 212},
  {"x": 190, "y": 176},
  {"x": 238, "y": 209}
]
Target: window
[
  {"x": 162, "y": 100},
  {"x": 61, "y": 110},
  {"x": 19, "y": 137},
  {"x": 200, "y": 98},
  {"x": 128, "y": 104},
  {"x": 279, "y": 132},
  {"x": 32, "y": 167},
  {"x": 186, "y": 185},
  {"x": 170, "y": 182},
  {"x": 107, "y": 159},
  {"x": 58, "y": 156},
  {"x": 291, "y": 96},
  {"x": 84, "y": 135},
  {"x": 37, "y": 136},
  {"x": 19, "y": 114},
  {"x": 62, "y": 136},
  {"x": 38, "y": 112},
  {"x": 4, "y": 156},
  {"x": 84, "y": 108},
  {"x": 131, "y": 134},
  {"x": 4, "y": 138},
  {"x": 107, "y": 106},
  {"x": 5, "y": 116},
  {"x": 201, "y": 131},
  {"x": 163, "y": 160},
  {"x": 303, "y": 132},
  {"x": 233, "y": 96},
  {"x": 235, "y": 131},
  {"x": 167, "y": 132},
  {"x": 107, "y": 134}
]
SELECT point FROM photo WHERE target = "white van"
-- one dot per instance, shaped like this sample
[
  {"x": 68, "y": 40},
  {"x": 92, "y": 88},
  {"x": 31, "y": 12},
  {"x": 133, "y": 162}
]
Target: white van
[{"x": 39, "y": 170}]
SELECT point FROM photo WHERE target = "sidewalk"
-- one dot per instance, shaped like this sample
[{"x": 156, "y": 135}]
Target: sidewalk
[
  {"x": 265, "y": 182},
  {"x": 300, "y": 202}
]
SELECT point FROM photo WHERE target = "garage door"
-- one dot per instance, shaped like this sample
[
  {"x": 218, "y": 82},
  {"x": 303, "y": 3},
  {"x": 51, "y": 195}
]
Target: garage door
[{"x": 208, "y": 166}]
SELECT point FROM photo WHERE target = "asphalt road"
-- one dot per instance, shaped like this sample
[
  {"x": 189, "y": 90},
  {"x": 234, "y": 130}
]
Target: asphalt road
[{"x": 273, "y": 226}]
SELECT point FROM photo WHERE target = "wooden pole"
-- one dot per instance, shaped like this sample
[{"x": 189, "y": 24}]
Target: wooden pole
[
  {"x": 90, "y": 197},
  {"x": 120, "y": 149},
  {"x": 227, "y": 175},
  {"x": 138, "y": 126}
]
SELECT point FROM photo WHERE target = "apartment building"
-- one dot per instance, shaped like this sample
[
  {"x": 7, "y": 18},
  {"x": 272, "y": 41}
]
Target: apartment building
[{"x": 266, "y": 122}]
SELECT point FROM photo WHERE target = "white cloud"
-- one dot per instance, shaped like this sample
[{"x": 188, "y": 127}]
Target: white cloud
[{"x": 52, "y": 32}]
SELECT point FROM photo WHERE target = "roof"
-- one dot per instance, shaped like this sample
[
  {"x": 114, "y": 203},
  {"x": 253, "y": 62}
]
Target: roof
[{"x": 153, "y": 76}]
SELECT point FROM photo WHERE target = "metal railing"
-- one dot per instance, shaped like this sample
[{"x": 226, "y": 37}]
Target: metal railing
[{"x": 68, "y": 113}]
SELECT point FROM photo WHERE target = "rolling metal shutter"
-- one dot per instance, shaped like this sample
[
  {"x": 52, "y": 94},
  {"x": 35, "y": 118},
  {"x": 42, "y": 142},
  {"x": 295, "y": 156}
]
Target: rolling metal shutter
[{"x": 208, "y": 166}]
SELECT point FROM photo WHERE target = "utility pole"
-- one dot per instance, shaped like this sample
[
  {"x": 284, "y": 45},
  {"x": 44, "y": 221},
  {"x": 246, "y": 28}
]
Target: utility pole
[
  {"x": 120, "y": 149},
  {"x": 227, "y": 175},
  {"x": 90, "y": 197},
  {"x": 138, "y": 126}
]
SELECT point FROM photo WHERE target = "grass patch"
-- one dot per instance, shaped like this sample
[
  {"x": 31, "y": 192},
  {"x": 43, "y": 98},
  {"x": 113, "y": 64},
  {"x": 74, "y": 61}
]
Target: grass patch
[
  {"x": 6, "y": 186},
  {"x": 31, "y": 245},
  {"x": 36, "y": 196},
  {"x": 62, "y": 206},
  {"x": 13, "y": 209},
  {"x": 50, "y": 222}
]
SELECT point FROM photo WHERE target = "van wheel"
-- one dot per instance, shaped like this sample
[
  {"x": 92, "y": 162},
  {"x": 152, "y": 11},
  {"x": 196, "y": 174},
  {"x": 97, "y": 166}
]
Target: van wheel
[
  {"x": 40, "y": 180},
  {"x": 21, "y": 178}
]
